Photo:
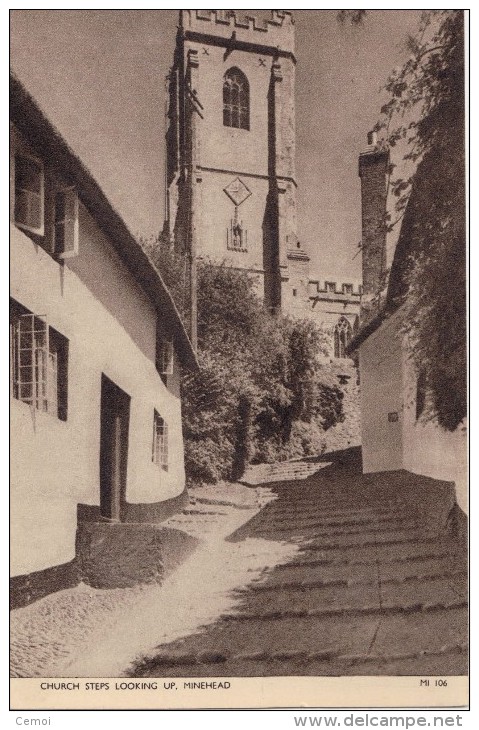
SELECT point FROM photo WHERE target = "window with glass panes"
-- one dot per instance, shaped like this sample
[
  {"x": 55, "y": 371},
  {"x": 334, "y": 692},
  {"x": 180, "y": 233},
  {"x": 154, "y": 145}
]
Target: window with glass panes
[
  {"x": 160, "y": 442},
  {"x": 235, "y": 99},
  {"x": 39, "y": 354},
  {"x": 29, "y": 193}
]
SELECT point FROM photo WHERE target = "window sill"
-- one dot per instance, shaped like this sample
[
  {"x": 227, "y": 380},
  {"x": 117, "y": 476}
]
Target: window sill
[{"x": 36, "y": 413}]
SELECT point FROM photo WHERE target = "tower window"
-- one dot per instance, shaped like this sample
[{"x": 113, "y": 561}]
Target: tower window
[
  {"x": 342, "y": 337},
  {"x": 235, "y": 99}
]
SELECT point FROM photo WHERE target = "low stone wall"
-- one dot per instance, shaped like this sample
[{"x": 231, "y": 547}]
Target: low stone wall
[
  {"x": 25, "y": 589},
  {"x": 122, "y": 555},
  {"x": 113, "y": 555},
  {"x": 431, "y": 501}
]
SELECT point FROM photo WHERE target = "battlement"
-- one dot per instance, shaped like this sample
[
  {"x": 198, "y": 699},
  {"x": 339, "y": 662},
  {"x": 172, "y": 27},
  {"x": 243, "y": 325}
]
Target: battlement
[
  {"x": 329, "y": 288},
  {"x": 278, "y": 31}
]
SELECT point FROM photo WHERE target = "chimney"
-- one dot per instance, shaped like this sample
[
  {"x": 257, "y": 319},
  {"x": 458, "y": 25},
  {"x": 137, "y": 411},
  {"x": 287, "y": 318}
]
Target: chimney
[{"x": 373, "y": 167}]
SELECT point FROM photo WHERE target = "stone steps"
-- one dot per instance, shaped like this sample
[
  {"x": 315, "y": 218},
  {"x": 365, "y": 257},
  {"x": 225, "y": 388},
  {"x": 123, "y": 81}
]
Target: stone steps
[
  {"x": 410, "y": 551},
  {"x": 345, "y": 523},
  {"x": 371, "y": 546},
  {"x": 280, "y": 471},
  {"x": 307, "y": 662},
  {"x": 359, "y": 580},
  {"x": 193, "y": 511},
  {"x": 370, "y": 589},
  {"x": 359, "y": 571},
  {"x": 365, "y": 609},
  {"x": 320, "y": 531},
  {"x": 219, "y": 503},
  {"x": 324, "y": 647}
]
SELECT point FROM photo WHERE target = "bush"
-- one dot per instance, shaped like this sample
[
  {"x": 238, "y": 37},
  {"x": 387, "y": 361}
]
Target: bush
[{"x": 261, "y": 393}]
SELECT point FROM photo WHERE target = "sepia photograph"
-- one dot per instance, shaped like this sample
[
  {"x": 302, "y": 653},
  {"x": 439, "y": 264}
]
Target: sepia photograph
[{"x": 238, "y": 359}]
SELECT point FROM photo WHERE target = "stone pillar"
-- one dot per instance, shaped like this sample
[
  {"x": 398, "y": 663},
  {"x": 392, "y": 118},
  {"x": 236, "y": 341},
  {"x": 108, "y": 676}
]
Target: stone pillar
[{"x": 194, "y": 106}]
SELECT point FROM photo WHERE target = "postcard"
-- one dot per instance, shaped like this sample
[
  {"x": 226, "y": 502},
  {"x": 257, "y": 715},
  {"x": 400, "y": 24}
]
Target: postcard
[{"x": 238, "y": 359}]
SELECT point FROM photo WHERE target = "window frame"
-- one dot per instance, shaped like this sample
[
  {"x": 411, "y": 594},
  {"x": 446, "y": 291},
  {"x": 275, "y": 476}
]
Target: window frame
[
  {"x": 239, "y": 110},
  {"x": 40, "y": 230},
  {"x": 164, "y": 344},
  {"x": 45, "y": 362},
  {"x": 63, "y": 252},
  {"x": 343, "y": 333},
  {"x": 159, "y": 453}
]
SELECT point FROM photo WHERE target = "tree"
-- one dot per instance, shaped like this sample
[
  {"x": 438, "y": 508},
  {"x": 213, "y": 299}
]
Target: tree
[
  {"x": 355, "y": 17},
  {"x": 174, "y": 268},
  {"x": 423, "y": 122},
  {"x": 261, "y": 393},
  {"x": 425, "y": 115},
  {"x": 260, "y": 377}
]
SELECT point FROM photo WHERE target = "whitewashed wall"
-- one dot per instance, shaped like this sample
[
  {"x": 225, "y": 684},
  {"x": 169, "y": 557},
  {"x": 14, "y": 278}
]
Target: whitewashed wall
[{"x": 95, "y": 302}]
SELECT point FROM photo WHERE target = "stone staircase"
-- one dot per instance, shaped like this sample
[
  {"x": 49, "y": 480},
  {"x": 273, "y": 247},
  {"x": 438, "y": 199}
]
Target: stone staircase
[
  {"x": 374, "y": 588},
  {"x": 280, "y": 471}
]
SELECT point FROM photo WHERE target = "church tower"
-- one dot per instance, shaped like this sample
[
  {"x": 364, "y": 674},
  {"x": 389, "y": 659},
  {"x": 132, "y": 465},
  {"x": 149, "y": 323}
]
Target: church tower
[{"x": 230, "y": 180}]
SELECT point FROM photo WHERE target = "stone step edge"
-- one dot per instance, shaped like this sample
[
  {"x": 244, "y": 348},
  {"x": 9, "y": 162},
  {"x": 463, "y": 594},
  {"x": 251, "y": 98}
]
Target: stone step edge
[
  {"x": 307, "y": 657},
  {"x": 370, "y": 543},
  {"x": 280, "y": 466},
  {"x": 220, "y": 503},
  {"x": 202, "y": 512},
  {"x": 346, "y": 611},
  {"x": 367, "y": 561},
  {"x": 347, "y": 583},
  {"x": 343, "y": 523},
  {"x": 337, "y": 533},
  {"x": 377, "y": 514},
  {"x": 279, "y": 471}
]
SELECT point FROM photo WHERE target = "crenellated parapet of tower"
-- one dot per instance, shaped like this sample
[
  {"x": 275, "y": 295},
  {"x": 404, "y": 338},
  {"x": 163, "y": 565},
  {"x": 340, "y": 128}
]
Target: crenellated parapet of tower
[
  {"x": 328, "y": 288},
  {"x": 276, "y": 32}
]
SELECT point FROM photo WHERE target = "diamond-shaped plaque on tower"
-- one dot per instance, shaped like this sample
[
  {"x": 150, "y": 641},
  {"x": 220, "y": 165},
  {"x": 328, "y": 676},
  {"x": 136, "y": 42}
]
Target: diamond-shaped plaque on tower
[{"x": 237, "y": 191}]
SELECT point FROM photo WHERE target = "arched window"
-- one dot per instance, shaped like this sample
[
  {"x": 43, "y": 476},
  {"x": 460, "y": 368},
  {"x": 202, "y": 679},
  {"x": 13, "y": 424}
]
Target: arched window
[
  {"x": 235, "y": 99},
  {"x": 342, "y": 337}
]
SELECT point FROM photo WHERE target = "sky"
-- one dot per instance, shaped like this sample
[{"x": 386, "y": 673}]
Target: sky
[{"x": 99, "y": 75}]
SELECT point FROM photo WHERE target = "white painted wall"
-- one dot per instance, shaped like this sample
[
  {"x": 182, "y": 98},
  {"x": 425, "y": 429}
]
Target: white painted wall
[
  {"x": 380, "y": 362},
  {"x": 388, "y": 384},
  {"x": 95, "y": 302},
  {"x": 430, "y": 449}
]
